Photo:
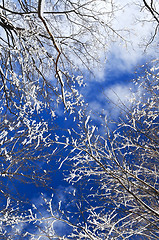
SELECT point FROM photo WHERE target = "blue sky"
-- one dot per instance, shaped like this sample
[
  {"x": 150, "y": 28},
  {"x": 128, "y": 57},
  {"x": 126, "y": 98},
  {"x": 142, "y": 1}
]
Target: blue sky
[{"x": 94, "y": 94}]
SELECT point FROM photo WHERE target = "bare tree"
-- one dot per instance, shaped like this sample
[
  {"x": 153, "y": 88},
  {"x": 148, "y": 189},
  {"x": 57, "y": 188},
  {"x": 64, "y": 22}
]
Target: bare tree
[
  {"x": 119, "y": 170},
  {"x": 44, "y": 40},
  {"x": 152, "y": 8},
  {"x": 43, "y": 44},
  {"x": 123, "y": 164},
  {"x": 114, "y": 175}
]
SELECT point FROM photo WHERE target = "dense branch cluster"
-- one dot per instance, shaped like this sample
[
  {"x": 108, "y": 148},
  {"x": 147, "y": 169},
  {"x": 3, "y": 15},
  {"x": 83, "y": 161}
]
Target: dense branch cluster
[
  {"x": 121, "y": 170},
  {"x": 42, "y": 44}
]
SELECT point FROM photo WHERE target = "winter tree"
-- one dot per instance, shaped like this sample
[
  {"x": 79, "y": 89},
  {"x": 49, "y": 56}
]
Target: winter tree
[
  {"x": 119, "y": 169},
  {"x": 45, "y": 46},
  {"x": 114, "y": 173}
]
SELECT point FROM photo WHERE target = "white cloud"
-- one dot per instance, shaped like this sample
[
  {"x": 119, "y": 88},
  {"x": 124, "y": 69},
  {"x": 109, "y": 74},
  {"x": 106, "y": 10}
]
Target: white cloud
[
  {"x": 119, "y": 94},
  {"x": 96, "y": 108},
  {"x": 113, "y": 101},
  {"x": 137, "y": 28},
  {"x": 98, "y": 34},
  {"x": 125, "y": 51},
  {"x": 46, "y": 210}
]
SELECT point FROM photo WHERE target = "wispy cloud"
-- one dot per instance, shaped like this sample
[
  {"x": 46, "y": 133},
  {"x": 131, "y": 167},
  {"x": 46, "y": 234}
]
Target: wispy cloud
[
  {"x": 119, "y": 94},
  {"x": 46, "y": 212},
  {"x": 112, "y": 101},
  {"x": 137, "y": 28}
]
